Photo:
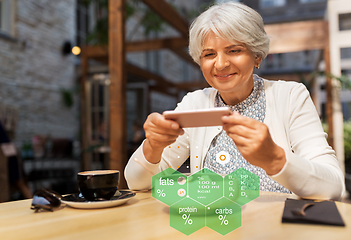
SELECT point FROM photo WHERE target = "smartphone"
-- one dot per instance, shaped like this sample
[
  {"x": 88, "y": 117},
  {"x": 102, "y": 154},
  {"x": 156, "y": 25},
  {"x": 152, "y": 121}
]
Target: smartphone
[{"x": 198, "y": 118}]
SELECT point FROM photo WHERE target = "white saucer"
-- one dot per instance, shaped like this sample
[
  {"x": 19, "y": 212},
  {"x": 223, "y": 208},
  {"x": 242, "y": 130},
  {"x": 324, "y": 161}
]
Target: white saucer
[{"x": 76, "y": 200}]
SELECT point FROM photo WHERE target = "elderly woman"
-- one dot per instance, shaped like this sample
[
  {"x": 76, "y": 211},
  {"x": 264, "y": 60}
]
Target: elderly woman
[{"x": 275, "y": 131}]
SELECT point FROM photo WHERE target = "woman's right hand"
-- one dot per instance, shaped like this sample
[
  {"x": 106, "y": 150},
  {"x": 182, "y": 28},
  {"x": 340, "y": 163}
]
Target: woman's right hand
[{"x": 159, "y": 133}]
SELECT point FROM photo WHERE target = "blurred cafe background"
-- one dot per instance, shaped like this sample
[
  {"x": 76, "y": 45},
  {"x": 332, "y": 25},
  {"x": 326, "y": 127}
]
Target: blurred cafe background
[{"x": 70, "y": 103}]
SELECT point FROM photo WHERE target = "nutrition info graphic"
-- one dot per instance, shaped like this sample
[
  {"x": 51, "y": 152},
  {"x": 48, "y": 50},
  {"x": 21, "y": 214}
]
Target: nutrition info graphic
[{"x": 205, "y": 198}]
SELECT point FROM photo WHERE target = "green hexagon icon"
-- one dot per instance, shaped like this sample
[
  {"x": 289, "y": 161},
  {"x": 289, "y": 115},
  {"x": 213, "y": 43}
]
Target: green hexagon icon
[
  {"x": 205, "y": 186},
  {"x": 187, "y": 216},
  {"x": 169, "y": 186},
  {"x": 223, "y": 216},
  {"x": 241, "y": 186},
  {"x": 231, "y": 187}
]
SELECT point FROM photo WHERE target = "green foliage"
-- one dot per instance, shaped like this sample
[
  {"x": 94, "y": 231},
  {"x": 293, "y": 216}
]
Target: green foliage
[
  {"x": 343, "y": 79},
  {"x": 152, "y": 22},
  {"x": 203, "y": 7},
  {"x": 130, "y": 10},
  {"x": 102, "y": 3},
  {"x": 67, "y": 97},
  {"x": 345, "y": 82},
  {"x": 99, "y": 35},
  {"x": 149, "y": 21},
  {"x": 347, "y": 140}
]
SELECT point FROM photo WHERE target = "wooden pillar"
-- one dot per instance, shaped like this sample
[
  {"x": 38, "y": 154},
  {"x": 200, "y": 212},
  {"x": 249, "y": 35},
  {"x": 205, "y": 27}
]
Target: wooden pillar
[
  {"x": 329, "y": 87},
  {"x": 117, "y": 70}
]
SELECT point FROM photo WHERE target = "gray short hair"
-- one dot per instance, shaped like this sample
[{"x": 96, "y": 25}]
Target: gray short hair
[{"x": 231, "y": 21}]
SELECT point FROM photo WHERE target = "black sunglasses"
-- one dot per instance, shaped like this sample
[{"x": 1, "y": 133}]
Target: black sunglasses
[{"x": 45, "y": 200}]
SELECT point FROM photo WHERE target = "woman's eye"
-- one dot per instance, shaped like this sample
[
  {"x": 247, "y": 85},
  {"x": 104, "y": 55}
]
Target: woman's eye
[
  {"x": 208, "y": 54},
  {"x": 235, "y": 51}
]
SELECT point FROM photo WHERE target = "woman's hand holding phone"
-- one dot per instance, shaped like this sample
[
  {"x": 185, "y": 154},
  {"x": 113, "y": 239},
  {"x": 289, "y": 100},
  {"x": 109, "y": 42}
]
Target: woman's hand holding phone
[
  {"x": 254, "y": 142},
  {"x": 159, "y": 133},
  {"x": 163, "y": 130}
]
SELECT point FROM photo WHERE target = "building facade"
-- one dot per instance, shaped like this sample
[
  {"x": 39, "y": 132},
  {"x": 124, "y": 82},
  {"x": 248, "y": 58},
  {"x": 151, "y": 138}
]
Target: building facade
[
  {"x": 338, "y": 15},
  {"x": 35, "y": 70},
  {"x": 36, "y": 74}
]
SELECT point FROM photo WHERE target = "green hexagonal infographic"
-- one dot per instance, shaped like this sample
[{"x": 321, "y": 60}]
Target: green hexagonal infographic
[
  {"x": 187, "y": 216},
  {"x": 241, "y": 186},
  {"x": 169, "y": 186},
  {"x": 205, "y": 186},
  {"x": 231, "y": 187},
  {"x": 223, "y": 216}
]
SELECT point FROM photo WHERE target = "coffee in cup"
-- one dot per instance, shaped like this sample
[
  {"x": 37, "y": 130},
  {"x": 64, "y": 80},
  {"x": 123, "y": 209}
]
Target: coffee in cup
[{"x": 98, "y": 184}]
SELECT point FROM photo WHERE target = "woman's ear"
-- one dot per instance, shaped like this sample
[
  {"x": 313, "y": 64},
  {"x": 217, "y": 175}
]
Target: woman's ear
[{"x": 258, "y": 61}]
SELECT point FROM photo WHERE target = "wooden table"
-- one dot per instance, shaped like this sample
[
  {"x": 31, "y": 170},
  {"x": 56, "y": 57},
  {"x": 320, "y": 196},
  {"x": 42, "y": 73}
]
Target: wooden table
[{"x": 144, "y": 217}]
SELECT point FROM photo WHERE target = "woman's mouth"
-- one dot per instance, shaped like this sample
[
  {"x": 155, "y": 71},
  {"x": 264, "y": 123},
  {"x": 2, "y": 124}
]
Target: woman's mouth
[{"x": 224, "y": 76}]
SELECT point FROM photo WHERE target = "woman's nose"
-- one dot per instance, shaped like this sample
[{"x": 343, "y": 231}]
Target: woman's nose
[{"x": 221, "y": 62}]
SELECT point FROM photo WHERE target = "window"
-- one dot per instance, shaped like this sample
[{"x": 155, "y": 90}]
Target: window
[
  {"x": 92, "y": 22},
  {"x": 98, "y": 119},
  {"x": 83, "y": 23},
  {"x": 310, "y": 1},
  {"x": 345, "y": 21},
  {"x": 345, "y": 53},
  {"x": 281, "y": 62},
  {"x": 6, "y": 17},
  {"x": 269, "y": 61},
  {"x": 272, "y": 3}
]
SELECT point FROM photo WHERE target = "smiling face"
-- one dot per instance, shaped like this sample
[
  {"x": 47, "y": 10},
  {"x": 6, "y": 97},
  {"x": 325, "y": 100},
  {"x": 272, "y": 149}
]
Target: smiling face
[{"x": 228, "y": 67}]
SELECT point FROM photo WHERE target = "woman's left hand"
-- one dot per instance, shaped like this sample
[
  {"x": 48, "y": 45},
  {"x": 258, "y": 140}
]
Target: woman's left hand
[{"x": 254, "y": 142}]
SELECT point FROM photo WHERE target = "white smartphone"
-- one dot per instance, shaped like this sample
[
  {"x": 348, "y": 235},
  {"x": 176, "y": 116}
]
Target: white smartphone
[{"x": 198, "y": 118}]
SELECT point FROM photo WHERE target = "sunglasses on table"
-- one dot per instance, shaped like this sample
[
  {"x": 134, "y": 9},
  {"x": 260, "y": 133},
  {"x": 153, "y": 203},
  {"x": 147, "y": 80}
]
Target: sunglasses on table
[{"x": 46, "y": 200}]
